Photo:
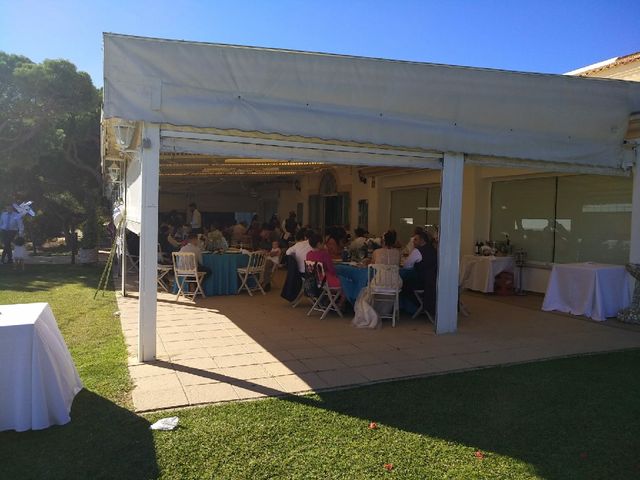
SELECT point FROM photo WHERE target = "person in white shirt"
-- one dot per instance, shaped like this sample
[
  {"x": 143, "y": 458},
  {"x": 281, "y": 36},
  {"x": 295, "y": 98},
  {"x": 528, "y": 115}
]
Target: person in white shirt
[
  {"x": 196, "y": 219},
  {"x": 358, "y": 242},
  {"x": 192, "y": 247},
  {"x": 19, "y": 253},
  {"x": 10, "y": 225},
  {"x": 300, "y": 249},
  {"x": 414, "y": 257}
]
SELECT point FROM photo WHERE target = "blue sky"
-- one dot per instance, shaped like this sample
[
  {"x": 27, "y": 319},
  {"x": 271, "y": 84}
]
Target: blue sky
[{"x": 539, "y": 36}]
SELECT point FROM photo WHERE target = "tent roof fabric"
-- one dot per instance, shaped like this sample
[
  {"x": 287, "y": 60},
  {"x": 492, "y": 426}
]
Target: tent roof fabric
[{"x": 540, "y": 117}]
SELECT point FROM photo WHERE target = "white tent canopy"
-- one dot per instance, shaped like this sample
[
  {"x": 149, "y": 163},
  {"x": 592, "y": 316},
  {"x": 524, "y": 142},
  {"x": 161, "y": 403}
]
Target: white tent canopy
[
  {"x": 549, "y": 118},
  {"x": 243, "y": 102}
]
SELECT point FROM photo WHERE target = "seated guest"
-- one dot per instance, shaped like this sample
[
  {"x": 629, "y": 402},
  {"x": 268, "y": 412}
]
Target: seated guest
[
  {"x": 295, "y": 257},
  {"x": 335, "y": 241},
  {"x": 182, "y": 233},
  {"x": 192, "y": 247},
  {"x": 275, "y": 253},
  {"x": 410, "y": 246},
  {"x": 425, "y": 271},
  {"x": 238, "y": 232},
  {"x": 319, "y": 254},
  {"x": 216, "y": 240},
  {"x": 300, "y": 249},
  {"x": 388, "y": 254},
  {"x": 167, "y": 243},
  {"x": 359, "y": 241}
]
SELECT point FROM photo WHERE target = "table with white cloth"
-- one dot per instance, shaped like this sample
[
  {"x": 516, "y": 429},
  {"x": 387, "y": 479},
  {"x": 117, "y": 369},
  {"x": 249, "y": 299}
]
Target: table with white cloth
[
  {"x": 479, "y": 272},
  {"x": 38, "y": 380},
  {"x": 595, "y": 290}
]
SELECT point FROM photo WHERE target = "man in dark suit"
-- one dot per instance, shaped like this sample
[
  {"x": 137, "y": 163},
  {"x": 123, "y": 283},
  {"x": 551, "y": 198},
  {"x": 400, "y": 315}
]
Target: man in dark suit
[{"x": 425, "y": 272}]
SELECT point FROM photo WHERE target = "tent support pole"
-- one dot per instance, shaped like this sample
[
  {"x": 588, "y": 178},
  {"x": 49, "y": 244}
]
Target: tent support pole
[
  {"x": 150, "y": 175},
  {"x": 449, "y": 243},
  {"x": 123, "y": 235}
]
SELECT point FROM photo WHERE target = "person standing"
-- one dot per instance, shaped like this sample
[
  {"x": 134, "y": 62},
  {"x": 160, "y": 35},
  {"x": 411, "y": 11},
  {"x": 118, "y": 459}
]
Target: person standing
[
  {"x": 290, "y": 226},
  {"x": 10, "y": 225},
  {"x": 196, "y": 219}
]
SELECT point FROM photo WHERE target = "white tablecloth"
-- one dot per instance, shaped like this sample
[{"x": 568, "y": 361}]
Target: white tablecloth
[
  {"x": 38, "y": 379},
  {"x": 595, "y": 290},
  {"x": 479, "y": 272}
]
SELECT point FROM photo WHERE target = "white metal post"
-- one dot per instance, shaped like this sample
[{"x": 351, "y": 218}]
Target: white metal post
[
  {"x": 634, "y": 250},
  {"x": 123, "y": 233},
  {"x": 150, "y": 175},
  {"x": 449, "y": 243}
]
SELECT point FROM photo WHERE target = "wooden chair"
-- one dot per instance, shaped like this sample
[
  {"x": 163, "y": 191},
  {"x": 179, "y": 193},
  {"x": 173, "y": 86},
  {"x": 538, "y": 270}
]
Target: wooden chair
[
  {"x": 324, "y": 296},
  {"x": 185, "y": 270},
  {"x": 251, "y": 275},
  {"x": 382, "y": 279}
]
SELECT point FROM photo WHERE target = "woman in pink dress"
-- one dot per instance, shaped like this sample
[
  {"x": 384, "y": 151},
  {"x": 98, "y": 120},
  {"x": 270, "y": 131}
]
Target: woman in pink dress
[{"x": 321, "y": 255}]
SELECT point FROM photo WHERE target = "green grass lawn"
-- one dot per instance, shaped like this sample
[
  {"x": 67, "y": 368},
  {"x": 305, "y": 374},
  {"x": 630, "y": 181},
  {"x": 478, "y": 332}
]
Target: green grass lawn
[{"x": 575, "y": 418}]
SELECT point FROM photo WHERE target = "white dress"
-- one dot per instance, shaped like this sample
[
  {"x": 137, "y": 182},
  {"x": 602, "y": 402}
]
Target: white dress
[
  {"x": 366, "y": 315},
  {"x": 19, "y": 252}
]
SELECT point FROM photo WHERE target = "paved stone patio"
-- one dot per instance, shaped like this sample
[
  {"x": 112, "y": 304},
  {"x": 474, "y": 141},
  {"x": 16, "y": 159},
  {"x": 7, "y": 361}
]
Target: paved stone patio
[{"x": 239, "y": 347}]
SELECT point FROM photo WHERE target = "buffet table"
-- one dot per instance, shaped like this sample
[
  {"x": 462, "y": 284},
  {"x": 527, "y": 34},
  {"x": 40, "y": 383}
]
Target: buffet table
[
  {"x": 479, "y": 272},
  {"x": 595, "y": 290},
  {"x": 38, "y": 380}
]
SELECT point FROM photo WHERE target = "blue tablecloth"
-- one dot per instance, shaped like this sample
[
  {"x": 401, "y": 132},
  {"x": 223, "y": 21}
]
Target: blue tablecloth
[
  {"x": 224, "y": 278},
  {"x": 353, "y": 279}
]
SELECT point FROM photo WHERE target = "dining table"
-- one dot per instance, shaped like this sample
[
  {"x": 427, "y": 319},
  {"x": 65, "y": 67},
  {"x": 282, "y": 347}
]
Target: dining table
[
  {"x": 478, "y": 272},
  {"x": 354, "y": 277},
  {"x": 38, "y": 379},
  {"x": 595, "y": 290},
  {"x": 224, "y": 276}
]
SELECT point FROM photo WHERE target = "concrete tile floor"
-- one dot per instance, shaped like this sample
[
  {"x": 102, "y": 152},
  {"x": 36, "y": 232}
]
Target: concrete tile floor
[{"x": 239, "y": 347}]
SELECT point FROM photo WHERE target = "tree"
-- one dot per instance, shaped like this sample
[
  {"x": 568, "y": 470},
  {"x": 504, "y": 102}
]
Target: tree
[{"x": 50, "y": 141}]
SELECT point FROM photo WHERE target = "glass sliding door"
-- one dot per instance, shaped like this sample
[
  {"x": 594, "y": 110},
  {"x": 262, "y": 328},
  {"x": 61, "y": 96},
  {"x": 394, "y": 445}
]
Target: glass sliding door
[
  {"x": 414, "y": 207},
  {"x": 593, "y": 219},
  {"x": 525, "y": 210}
]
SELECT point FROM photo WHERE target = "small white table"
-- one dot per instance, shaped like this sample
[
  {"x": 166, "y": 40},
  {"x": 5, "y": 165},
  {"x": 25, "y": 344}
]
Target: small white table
[
  {"x": 479, "y": 272},
  {"x": 38, "y": 379},
  {"x": 595, "y": 290}
]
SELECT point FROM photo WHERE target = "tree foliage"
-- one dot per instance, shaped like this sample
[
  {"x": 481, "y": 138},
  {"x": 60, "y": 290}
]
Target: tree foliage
[{"x": 49, "y": 142}]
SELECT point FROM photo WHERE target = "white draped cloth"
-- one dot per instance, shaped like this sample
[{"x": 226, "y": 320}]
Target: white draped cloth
[
  {"x": 479, "y": 272},
  {"x": 594, "y": 290},
  {"x": 38, "y": 380}
]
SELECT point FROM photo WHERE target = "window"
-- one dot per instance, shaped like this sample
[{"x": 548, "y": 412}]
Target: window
[
  {"x": 414, "y": 207},
  {"x": 567, "y": 219},
  {"x": 363, "y": 214},
  {"x": 525, "y": 210}
]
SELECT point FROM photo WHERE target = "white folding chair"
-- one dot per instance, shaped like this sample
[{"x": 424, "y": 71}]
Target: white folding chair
[
  {"x": 418, "y": 294},
  {"x": 133, "y": 262},
  {"x": 185, "y": 270},
  {"x": 163, "y": 272},
  {"x": 251, "y": 275},
  {"x": 383, "y": 282},
  {"x": 325, "y": 301}
]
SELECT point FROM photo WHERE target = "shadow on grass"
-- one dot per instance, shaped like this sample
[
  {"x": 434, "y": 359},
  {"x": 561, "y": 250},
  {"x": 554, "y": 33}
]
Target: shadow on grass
[
  {"x": 41, "y": 278},
  {"x": 570, "y": 418},
  {"x": 102, "y": 440}
]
